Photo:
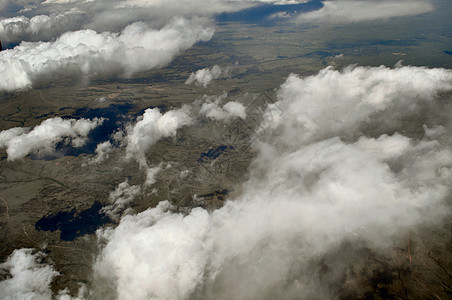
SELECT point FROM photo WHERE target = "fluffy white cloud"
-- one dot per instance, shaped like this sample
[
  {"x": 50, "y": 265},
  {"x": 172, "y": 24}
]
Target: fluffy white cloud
[
  {"x": 114, "y": 15},
  {"x": 333, "y": 103},
  {"x": 102, "y": 152},
  {"x": 385, "y": 147},
  {"x": 205, "y": 76},
  {"x": 350, "y": 11},
  {"x": 321, "y": 178},
  {"x": 120, "y": 198},
  {"x": 151, "y": 127},
  {"x": 87, "y": 53},
  {"x": 39, "y": 27},
  {"x": 42, "y": 139},
  {"x": 213, "y": 110},
  {"x": 27, "y": 278}
]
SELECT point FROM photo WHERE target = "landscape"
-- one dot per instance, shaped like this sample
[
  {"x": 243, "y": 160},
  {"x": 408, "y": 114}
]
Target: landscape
[{"x": 187, "y": 149}]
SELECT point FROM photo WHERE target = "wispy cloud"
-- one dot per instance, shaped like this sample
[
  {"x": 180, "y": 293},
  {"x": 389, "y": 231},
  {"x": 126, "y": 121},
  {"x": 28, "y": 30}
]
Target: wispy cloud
[{"x": 351, "y": 11}]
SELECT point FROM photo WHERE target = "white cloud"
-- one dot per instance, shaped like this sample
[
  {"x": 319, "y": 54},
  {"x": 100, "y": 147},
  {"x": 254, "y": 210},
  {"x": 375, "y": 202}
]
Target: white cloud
[
  {"x": 86, "y": 53},
  {"x": 42, "y": 139},
  {"x": 385, "y": 147},
  {"x": 151, "y": 127},
  {"x": 39, "y": 27},
  {"x": 333, "y": 103},
  {"x": 350, "y": 11},
  {"x": 158, "y": 279},
  {"x": 120, "y": 199},
  {"x": 205, "y": 76},
  {"x": 213, "y": 110},
  {"x": 150, "y": 176},
  {"x": 102, "y": 151},
  {"x": 28, "y": 278},
  {"x": 318, "y": 181}
]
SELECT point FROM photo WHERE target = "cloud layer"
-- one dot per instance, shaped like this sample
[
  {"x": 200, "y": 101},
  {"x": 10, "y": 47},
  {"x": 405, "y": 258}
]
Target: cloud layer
[
  {"x": 42, "y": 139},
  {"x": 351, "y": 11},
  {"x": 86, "y": 53},
  {"x": 330, "y": 170}
]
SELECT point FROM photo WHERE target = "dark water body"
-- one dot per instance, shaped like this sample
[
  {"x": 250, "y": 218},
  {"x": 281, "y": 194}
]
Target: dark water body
[
  {"x": 213, "y": 153},
  {"x": 73, "y": 225},
  {"x": 216, "y": 193},
  {"x": 114, "y": 116},
  {"x": 7, "y": 46},
  {"x": 261, "y": 14}
]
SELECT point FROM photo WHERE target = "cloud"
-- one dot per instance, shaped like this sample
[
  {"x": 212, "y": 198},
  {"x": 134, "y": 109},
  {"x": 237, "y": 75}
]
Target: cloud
[
  {"x": 51, "y": 18},
  {"x": 42, "y": 139},
  {"x": 330, "y": 171},
  {"x": 39, "y": 27},
  {"x": 232, "y": 109},
  {"x": 150, "y": 176},
  {"x": 151, "y": 127},
  {"x": 86, "y": 54},
  {"x": 332, "y": 103},
  {"x": 205, "y": 76},
  {"x": 28, "y": 277},
  {"x": 102, "y": 151},
  {"x": 120, "y": 198},
  {"x": 351, "y": 11}
]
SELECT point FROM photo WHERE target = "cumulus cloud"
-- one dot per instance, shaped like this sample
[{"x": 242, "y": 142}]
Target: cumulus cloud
[
  {"x": 351, "y": 11},
  {"x": 321, "y": 178},
  {"x": 39, "y": 27},
  {"x": 205, "y": 76},
  {"x": 102, "y": 152},
  {"x": 344, "y": 101},
  {"x": 151, "y": 127},
  {"x": 27, "y": 276},
  {"x": 87, "y": 53},
  {"x": 42, "y": 139},
  {"x": 120, "y": 199},
  {"x": 213, "y": 110}
]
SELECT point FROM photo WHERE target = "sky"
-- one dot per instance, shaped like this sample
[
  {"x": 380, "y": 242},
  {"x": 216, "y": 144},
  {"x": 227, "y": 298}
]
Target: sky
[{"x": 335, "y": 171}]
